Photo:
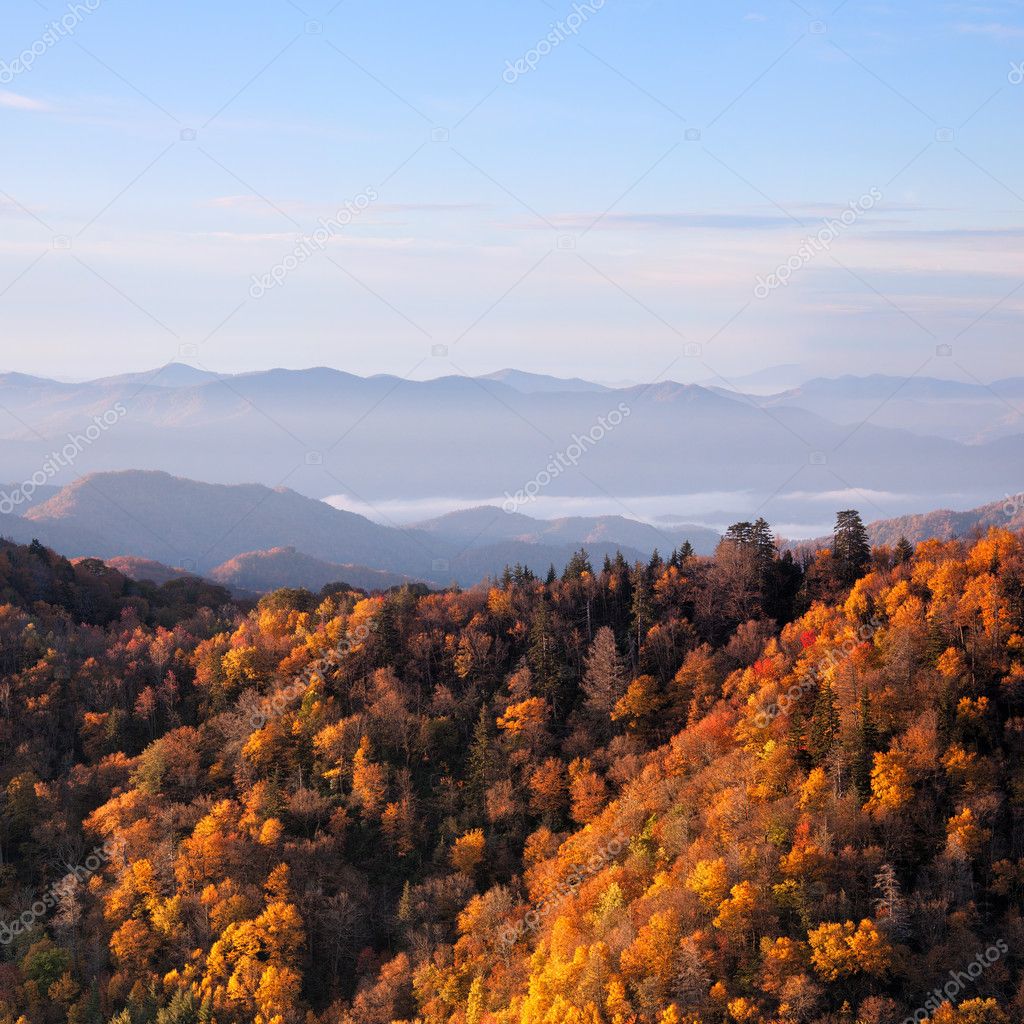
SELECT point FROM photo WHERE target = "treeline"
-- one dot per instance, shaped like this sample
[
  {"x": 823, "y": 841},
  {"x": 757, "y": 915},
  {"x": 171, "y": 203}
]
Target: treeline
[{"x": 694, "y": 791}]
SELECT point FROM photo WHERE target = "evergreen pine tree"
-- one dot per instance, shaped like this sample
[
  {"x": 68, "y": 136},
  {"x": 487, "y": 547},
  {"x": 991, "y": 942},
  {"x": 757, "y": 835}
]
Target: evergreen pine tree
[
  {"x": 480, "y": 765},
  {"x": 740, "y": 533},
  {"x": 851, "y": 551},
  {"x": 386, "y": 639},
  {"x": 543, "y": 654},
  {"x": 180, "y": 1010},
  {"x": 824, "y": 725},
  {"x": 93, "y": 1013},
  {"x": 404, "y": 912},
  {"x": 865, "y": 746},
  {"x": 904, "y": 551},
  {"x": 763, "y": 541},
  {"x": 640, "y": 607},
  {"x": 578, "y": 565}
]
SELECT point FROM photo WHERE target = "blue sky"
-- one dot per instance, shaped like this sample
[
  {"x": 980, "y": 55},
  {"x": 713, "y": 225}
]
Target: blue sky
[{"x": 608, "y": 213}]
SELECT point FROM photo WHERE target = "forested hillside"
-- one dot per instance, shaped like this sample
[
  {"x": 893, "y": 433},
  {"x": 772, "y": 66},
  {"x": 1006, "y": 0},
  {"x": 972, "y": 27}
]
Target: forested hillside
[{"x": 696, "y": 791}]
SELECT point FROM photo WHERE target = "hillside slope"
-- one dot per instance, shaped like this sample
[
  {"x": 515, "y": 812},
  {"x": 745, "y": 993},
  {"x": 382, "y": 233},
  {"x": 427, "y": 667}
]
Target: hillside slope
[
  {"x": 263, "y": 571},
  {"x": 625, "y": 797},
  {"x": 199, "y": 526}
]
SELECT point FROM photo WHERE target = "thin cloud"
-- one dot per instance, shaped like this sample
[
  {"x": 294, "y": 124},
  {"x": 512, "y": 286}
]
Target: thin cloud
[
  {"x": 674, "y": 221},
  {"x": 975, "y": 234},
  {"x": 671, "y": 221},
  {"x": 994, "y": 29},
  {"x": 15, "y": 101},
  {"x": 252, "y": 202}
]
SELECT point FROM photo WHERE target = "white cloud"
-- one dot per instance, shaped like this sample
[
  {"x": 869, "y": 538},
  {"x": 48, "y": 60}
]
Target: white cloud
[{"x": 14, "y": 101}]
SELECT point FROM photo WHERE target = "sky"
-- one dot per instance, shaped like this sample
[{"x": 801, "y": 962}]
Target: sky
[{"x": 603, "y": 189}]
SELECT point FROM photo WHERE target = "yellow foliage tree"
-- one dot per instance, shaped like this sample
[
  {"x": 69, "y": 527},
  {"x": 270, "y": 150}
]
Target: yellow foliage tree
[
  {"x": 369, "y": 780},
  {"x": 710, "y": 881},
  {"x": 842, "y": 950},
  {"x": 468, "y": 851}
]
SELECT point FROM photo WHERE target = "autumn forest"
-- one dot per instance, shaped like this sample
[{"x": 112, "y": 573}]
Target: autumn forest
[{"x": 753, "y": 788}]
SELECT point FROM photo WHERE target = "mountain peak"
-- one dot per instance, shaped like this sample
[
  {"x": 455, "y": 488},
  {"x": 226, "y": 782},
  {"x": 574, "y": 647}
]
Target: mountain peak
[
  {"x": 170, "y": 375},
  {"x": 539, "y": 383}
]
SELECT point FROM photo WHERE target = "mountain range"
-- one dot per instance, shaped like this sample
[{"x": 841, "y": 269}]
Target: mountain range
[
  {"x": 252, "y": 539},
  {"x": 970, "y": 412},
  {"x": 706, "y": 454}
]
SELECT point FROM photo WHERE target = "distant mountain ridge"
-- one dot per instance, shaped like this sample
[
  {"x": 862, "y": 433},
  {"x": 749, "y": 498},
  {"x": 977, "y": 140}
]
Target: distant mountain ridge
[
  {"x": 535, "y": 383},
  {"x": 254, "y": 537},
  {"x": 970, "y": 412},
  {"x": 945, "y": 524},
  {"x": 488, "y": 522},
  {"x": 940, "y": 524},
  {"x": 262, "y": 571},
  {"x": 324, "y": 432},
  {"x": 198, "y": 525},
  {"x": 140, "y": 569}
]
